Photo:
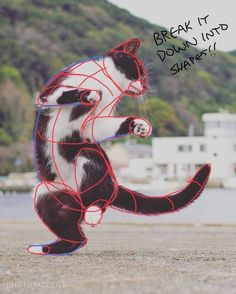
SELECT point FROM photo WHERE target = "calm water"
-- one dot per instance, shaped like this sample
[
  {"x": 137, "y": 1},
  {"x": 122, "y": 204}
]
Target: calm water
[{"x": 214, "y": 206}]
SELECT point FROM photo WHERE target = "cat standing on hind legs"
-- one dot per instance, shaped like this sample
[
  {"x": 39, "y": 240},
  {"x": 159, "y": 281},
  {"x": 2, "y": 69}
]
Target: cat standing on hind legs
[{"x": 75, "y": 114}]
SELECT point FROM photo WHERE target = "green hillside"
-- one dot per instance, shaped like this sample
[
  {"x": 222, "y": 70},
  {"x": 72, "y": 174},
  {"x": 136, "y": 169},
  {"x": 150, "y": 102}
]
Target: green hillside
[{"x": 38, "y": 37}]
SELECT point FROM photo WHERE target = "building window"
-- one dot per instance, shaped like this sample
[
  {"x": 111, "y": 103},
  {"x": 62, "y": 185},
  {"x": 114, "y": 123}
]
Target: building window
[
  {"x": 185, "y": 148},
  {"x": 202, "y": 148},
  {"x": 180, "y": 148},
  {"x": 212, "y": 124}
]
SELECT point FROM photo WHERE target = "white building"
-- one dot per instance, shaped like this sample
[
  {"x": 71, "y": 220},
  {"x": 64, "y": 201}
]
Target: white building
[{"x": 180, "y": 157}]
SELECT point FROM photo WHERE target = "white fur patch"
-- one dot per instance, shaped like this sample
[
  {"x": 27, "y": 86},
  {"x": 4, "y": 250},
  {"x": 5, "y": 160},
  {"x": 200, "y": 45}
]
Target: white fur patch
[
  {"x": 93, "y": 215},
  {"x": 36, "y": 249}
]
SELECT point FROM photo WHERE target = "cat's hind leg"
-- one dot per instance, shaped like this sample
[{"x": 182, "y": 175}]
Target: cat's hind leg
[
  {"x": 59, "y": 247},
  {"x": 62, "y": 214}
]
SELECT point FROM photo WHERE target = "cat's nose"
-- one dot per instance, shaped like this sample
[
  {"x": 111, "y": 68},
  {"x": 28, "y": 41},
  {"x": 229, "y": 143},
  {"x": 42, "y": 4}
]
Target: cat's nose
[{"x": 137, "y": 87}]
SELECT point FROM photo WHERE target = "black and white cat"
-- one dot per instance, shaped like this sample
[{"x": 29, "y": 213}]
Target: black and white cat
[{"x": 75, "y": 113}]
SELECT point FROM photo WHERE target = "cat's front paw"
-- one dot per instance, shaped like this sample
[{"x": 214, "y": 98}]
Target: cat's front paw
[
  {"x": 140, "y": 128},
  {"x": 92, "y": 97}
]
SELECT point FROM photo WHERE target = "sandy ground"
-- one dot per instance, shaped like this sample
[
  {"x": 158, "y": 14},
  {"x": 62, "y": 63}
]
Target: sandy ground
[{"x": 122, "y": 258}]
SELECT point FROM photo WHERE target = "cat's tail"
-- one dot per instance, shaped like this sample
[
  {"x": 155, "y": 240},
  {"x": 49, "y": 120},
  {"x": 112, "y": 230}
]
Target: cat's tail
[{"x": 148, "y": 205}]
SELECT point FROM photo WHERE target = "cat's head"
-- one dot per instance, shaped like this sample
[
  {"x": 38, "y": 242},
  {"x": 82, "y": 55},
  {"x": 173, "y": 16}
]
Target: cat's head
[
  {"x": 130, "y": 73},
  {"x": 118, "y": 68}
]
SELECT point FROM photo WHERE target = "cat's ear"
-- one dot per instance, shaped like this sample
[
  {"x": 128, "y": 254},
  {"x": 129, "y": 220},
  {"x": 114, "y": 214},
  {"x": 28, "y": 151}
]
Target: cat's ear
[{"x": 130, "y": 46}]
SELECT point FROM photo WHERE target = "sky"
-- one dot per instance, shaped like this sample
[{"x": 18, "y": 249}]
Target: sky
[{"x": 175, "y": 13}]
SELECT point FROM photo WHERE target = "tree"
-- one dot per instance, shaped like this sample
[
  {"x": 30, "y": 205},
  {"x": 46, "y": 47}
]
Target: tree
[{"x": 164, "y": 119}]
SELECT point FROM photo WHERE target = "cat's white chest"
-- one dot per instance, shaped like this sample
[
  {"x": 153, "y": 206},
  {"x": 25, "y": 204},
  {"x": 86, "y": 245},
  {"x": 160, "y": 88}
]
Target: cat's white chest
[{"x": 57, "y": 130}]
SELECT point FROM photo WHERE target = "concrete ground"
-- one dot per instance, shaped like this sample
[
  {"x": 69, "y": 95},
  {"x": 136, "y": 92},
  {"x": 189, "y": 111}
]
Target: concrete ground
[{"x": 122, "y": 258}]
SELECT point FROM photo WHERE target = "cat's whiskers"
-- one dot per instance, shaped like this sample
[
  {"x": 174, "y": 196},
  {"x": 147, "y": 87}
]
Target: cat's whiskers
[{"x": 144, "y": 105}]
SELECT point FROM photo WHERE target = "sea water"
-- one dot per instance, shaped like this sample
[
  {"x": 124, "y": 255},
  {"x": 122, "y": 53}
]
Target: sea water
[{"x": 215, "y": 206}]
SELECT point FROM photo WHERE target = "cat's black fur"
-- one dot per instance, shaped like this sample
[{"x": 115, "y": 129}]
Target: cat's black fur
[{"x": 43, "y": 163}]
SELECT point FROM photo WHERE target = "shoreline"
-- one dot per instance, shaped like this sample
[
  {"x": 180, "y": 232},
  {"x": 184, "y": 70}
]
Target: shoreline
[
  {"x": 119, "y": 223},
  {"x": 29, "y": 189}
]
